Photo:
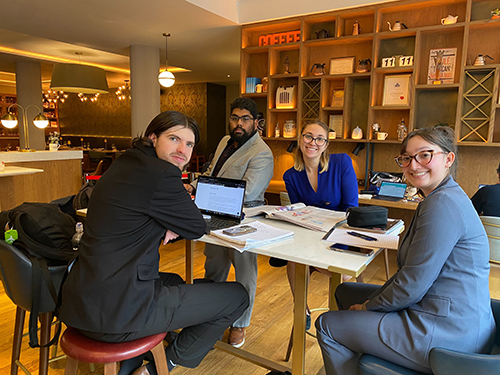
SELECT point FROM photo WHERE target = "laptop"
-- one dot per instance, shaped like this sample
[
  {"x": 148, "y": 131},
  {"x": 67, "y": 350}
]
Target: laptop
[
  {"x": 220, "y": 200},
  {"x": 391, "y": 191}
]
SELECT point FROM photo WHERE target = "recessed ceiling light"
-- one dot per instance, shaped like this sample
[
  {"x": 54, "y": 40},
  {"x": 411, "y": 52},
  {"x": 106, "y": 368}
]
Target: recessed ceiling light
[{"x": 229, "y": 76}]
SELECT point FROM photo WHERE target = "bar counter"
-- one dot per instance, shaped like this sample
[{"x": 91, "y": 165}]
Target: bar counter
[{"x": 53, "y": 175}]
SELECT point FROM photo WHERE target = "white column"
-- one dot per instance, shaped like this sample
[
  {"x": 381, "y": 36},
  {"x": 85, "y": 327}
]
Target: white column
[
  {"x": 29, "y": 92},
  {"x": 145, "y": 89}
]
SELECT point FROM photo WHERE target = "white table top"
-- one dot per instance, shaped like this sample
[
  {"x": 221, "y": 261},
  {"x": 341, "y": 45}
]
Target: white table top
[
  {"x": 18, "y": 171},
  {"x": 307, "y": 248},
  {"x": 16, "y": 156}
]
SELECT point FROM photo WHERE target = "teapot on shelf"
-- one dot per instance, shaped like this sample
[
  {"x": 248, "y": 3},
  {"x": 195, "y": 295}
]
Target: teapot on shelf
[
  {"x": 450, "y": 20},
  {"x": 481, "y": 59},
  {"x": 397, "y": 26},
  {"x": 322, "y": 34},
  {"x": 318, "y": 69}
]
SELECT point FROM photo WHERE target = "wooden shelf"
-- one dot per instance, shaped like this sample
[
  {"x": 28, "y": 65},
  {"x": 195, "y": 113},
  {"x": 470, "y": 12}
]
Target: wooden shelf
[{"x": 474, "y": 33}]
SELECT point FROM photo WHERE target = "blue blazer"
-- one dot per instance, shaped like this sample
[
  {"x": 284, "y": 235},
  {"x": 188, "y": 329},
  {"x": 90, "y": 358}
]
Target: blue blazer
[
  {"x": 337, "y": 187},
  {"x": 439, "y": 297}
]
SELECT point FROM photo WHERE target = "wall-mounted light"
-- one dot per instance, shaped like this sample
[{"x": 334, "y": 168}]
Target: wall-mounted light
[
  {"x": 9, "y": 120},
  {"x": 166, "y": 78},
  {"x": 360, "y": 146},
  {"x": 123, "y": 92}
]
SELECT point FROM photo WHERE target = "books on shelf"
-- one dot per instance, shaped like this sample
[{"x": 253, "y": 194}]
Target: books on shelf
[
  {"x": 310, "y": 217},
  {"x": 264, "y": 234}
]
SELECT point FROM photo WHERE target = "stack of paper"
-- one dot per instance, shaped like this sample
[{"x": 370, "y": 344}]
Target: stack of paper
[
  {"x": 346, "y": 237},
  {"x": 264, "y": 235},
  {"x": 270, "y": 209},
  {"x": 310, "y": 217}
]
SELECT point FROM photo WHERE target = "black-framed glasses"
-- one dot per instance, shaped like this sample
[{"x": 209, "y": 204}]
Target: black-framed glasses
[
  {"x": 244, "y": 119},
  {"x": 422, "y": 157},
  {"x": 320, "y": 141}
]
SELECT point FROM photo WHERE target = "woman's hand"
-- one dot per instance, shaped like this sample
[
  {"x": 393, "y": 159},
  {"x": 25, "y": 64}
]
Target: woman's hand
[
  {"x": 169, "y": 236},
  {"x": 359, "y": 307},
  {"x": 189, "y": 188}
]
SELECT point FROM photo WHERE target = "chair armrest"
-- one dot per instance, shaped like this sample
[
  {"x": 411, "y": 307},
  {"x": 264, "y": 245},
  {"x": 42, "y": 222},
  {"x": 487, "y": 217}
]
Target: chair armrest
[{"x": 451, "y": 362}]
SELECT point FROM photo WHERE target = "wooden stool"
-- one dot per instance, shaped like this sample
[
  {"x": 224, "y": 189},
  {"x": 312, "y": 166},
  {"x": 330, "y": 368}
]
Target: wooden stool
[{"x": 80, "y": 348}]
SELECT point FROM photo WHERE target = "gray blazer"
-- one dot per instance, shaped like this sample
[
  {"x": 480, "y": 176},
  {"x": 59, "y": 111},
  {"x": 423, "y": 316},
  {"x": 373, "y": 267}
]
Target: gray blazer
[
  {"x": 252, "y": 162},
  {"x": 439, "y": 297}
]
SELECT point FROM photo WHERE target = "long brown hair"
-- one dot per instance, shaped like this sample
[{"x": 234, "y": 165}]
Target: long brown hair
[{"x": 325, "y": 155}]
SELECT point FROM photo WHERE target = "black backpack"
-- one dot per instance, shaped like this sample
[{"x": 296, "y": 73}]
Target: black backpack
[
  {"x": 82, "y": 198},
  {"x": 44, "y": 235}
]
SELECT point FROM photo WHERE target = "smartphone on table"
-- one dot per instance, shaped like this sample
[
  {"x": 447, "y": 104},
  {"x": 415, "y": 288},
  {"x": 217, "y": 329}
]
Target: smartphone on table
[
  {"x": 351, "y": 249},
  {"x": 238, "y": 231}
]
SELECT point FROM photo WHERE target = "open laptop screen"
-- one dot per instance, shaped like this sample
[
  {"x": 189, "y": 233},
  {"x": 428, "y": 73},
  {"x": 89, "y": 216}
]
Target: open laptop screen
[
  {"x": 392, "y": 189},
  {"x": 220, "y": 196}
]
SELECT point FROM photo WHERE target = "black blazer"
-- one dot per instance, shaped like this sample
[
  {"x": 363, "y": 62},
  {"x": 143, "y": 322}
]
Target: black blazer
[{"x": 113, "y": 285}]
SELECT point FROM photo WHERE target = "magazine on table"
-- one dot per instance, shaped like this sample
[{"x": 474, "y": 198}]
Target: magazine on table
[
  {"x": 240, "y": 238},
  {"x": 268, "y": 210},
  {"x": 310, "y": 217}
]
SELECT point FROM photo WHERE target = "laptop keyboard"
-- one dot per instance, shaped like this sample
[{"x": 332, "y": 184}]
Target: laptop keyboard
[{"x": 215, "y": 224}]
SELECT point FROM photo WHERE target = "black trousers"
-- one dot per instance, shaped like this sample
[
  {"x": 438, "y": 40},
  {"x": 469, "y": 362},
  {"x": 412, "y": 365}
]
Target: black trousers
[{"x": 203, "y": 311}]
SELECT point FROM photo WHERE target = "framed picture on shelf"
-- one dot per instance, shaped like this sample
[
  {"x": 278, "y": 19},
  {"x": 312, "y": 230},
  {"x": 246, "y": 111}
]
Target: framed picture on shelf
[
  {"x": 441, "y": 66},
  {"x": 397, "y": 89},
  {"x": 337, "y": 124},
  {"x": 342, "y": 65},
  {"x": 337, "y": 98}
]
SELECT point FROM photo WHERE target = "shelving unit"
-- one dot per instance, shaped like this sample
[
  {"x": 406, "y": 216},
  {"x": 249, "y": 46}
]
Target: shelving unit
[
  {"x": 473, "y": 34},
  {"x": 9, "y": 138}
]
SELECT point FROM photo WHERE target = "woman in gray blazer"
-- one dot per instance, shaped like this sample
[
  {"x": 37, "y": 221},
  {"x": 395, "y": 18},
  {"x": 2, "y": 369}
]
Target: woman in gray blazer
[{"x": 439, "y": 297}]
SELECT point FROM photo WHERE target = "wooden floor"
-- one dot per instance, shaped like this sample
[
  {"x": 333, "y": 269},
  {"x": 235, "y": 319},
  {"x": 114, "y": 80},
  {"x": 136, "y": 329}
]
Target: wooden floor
[{"x": 268, "y": 333}]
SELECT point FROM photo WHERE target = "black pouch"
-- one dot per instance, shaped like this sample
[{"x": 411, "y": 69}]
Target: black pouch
[{"x": 367, "y": 217}]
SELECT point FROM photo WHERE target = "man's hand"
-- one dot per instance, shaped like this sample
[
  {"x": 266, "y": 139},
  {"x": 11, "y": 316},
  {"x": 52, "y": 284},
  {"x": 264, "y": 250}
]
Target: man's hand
[
  {"x": 189, "y": 188},
  {"x": 359, "y": 307},
  {"x": 169, "y": 236}
]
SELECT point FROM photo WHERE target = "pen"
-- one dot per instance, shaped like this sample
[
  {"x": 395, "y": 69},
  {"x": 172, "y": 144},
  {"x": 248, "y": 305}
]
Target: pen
[{"x": 362, "y": 236}]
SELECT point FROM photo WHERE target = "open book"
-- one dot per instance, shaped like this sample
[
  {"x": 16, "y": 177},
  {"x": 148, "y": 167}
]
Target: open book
[
  {"x": 310, "y": 217},
  {"x": 263, "y": 235}
]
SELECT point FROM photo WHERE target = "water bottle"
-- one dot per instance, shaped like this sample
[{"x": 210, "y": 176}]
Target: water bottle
[{"x": 77, "y": 237}]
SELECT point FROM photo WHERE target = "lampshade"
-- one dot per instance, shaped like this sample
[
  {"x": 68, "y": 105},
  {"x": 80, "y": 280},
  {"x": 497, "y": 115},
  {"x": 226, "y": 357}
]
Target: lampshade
[
  {"x": 79, "y": 78},
  {"x": 9, "y": 121},
  {"x": 40, "y": 121},
  {"x": 166, "y": 79}
]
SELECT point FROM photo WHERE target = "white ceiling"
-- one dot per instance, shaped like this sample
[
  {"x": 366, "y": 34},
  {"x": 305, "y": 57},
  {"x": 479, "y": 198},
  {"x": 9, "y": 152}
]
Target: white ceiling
[{"x": 205, "y": 34}]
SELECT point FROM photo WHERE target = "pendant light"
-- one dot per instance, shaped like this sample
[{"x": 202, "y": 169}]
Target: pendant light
[{"x": 166, "y": 78}]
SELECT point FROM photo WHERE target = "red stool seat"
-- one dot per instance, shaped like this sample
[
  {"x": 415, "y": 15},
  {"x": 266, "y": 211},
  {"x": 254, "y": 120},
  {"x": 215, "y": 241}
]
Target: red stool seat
[{"x": 84, "y": 349}]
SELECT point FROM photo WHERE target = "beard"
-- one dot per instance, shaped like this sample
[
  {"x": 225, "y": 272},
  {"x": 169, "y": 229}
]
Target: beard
[{"x": 241, "y": 138}]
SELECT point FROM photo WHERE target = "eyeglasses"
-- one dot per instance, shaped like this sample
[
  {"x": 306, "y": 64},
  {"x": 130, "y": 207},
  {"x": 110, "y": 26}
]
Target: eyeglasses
[
  {"x": 320, "y": 141},
  {"x": 422, "y": 157},
  {"x": 244, "y": 119}
]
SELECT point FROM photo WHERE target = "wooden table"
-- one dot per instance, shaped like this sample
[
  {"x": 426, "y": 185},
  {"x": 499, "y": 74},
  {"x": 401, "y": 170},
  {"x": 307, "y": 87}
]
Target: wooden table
[{"x": 305, "y": 249}]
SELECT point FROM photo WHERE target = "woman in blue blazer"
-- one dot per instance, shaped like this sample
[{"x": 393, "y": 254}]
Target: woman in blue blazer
[
  {"x": 319, "y": 179},
  {"x": 439, "y": 297}
]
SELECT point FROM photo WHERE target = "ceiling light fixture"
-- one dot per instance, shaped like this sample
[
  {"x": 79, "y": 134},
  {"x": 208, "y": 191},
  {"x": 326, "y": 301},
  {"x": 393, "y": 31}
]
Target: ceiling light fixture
[
  {"x": 9, "y": 120},
  {"x": 123, "y": 92},
  {"x": 52, "y": 96},
  {"x": 166, "y": 78},
  {"x": 79, "y": 78},
  {"x": 92, "y": 97}
]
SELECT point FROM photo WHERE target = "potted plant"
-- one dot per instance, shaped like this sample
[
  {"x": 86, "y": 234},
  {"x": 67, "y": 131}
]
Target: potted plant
[
  {"x": 54, "y": 141},
  {"x": 495, "y": 13}
]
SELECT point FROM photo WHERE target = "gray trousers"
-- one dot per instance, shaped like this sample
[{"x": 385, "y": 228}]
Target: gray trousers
[
  {"x": 344, "y": 335},
  {"x": 217, "y": 265}
]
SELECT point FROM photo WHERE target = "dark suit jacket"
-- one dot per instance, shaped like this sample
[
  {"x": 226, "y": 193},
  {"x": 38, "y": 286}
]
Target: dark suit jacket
[{"x": 113, "y": 285}]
